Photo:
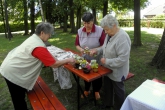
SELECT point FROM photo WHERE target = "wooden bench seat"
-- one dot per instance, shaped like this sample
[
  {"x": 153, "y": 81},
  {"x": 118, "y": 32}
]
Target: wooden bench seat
[
  {"x": 42, "y": 98},
  {"x": 130, "y": 75},
  {"x": 157, "y": 80}
]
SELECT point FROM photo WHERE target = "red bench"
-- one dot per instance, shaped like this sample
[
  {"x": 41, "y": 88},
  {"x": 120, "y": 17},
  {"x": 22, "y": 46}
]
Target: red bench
[
  {"x": 42, "y": 98},
  {"x": 130, "y": 75},
  {"x": 156, "y": 80}
]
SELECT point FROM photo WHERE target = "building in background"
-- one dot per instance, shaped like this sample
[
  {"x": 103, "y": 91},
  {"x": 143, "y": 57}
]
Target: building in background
[{"x": 154, "y": 11}]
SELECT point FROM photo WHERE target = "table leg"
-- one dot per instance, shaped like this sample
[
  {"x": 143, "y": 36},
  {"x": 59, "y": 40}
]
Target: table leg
[{"x": 79, "y": 88}]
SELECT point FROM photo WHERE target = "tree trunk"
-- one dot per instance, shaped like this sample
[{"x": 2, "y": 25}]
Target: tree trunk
[
  {"x": 65, "y": 22},
  {"x": 105, "y": 7},
  {"x": 78, "y": 24},
  {"x": 159, "y": 58},
  {"x": 9, "y": 36},
  {"x": 42, "y": 14},
  {"x": 94, "y": 14},
  {"x": 32, "y": 16},
  {"x": 72, "y": 24},
  {"x": 25, "y": 17},
  {"x": 49, "y": 8},
  {"x": 137, "y": 29},
  {"x": 4, "y": 24},
  {"x": 65, "y": 16}
]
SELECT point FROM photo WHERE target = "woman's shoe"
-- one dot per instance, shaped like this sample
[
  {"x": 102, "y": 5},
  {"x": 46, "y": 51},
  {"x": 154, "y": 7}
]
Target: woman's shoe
[
  {"x": 97, "y": 95},
  {"x": 86, "y": 93}
]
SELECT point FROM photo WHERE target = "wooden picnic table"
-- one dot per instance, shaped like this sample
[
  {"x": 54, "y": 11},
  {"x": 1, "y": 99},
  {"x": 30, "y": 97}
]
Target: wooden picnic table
[{"x": 78, "y": 73}]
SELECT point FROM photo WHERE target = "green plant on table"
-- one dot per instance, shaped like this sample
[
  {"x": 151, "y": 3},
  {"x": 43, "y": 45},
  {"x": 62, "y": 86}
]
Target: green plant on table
[
  {"x": 83, "y": 63},
  {"x": 94, "y": 65},
  {"x": 78, "y": 58},
  {"x": 86, "y": 67}
]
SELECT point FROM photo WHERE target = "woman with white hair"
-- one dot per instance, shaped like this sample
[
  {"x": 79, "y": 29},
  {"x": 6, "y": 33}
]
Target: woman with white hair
[{"x": 116, "y": 53}]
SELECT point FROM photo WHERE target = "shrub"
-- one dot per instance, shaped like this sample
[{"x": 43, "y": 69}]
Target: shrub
[
  {"x": 15, "y": 26},
  {"x": 154, "y": 23}
]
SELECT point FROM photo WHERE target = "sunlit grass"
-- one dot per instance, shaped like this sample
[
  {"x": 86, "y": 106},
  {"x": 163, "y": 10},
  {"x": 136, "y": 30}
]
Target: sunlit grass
[{"x": 54, "y": 39}]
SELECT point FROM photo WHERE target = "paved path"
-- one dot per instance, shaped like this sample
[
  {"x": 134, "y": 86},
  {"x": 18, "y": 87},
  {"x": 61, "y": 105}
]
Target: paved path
[{"x": 150, "y": 30}]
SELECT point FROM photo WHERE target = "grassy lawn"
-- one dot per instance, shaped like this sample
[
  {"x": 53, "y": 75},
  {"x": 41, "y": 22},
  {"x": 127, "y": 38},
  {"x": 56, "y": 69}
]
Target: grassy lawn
[{"x": 139, "y": 65}]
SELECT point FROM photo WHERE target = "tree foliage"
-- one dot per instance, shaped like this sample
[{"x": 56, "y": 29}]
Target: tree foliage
[
  {"x": 58, "y": 11},
  {"x": 15, "y": 12},
  {"x": 54, "y": 10},
  {"x": 120, "y": 5}
]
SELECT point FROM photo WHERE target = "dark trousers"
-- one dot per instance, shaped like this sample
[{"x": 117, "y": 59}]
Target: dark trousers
[
  {"x": 18, "y": 95},
  {"x": 97, "y": 84},
  {"x": 114, "y": 93}
]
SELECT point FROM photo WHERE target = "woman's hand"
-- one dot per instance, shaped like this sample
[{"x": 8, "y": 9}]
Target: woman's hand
[
  {"x": 71, "y": 61},
  {"x": 82, "y": 51},
  {"x": 103, "y": 60},
  {"x": 93, "y": 52}
]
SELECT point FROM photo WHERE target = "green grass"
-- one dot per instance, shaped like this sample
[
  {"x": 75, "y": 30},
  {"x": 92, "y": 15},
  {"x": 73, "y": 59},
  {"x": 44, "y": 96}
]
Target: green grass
[{"x": 139, "y": 65}]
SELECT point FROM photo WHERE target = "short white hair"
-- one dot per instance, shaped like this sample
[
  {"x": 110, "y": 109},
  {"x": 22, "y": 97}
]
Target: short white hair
[{"x": 109, "y": 21}]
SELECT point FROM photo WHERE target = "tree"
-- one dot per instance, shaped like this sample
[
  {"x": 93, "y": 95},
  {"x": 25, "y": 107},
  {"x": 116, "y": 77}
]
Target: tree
[
  {"x": 94, "y": 14},
  {"x": 105, "y": 4},
  {"x": 49, "y": 9},
  {"x": 78, "y": 15},
  {"x": 32, "y": 16},
  {"x": 159, "y": 58},
  {"x": 59, "y": 10},
  {"x": 94, "y": 5},
  {"x": 72, "y": 24},
  {"x": 65, "y": 15},
  {"x": 42, "y": 13},
  {"x": 25, "y": 17},
  {"x": 129, "y": 5},
  {"x": 9, "y": 36},
  {"x": 4, "y": 24},
  {"x": 137, "y": 29}
]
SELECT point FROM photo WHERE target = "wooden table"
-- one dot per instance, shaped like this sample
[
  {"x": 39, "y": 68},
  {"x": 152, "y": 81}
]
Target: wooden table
[
  {"x": 87, "y": 77},
  {"x": 90, "y": 76}
]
